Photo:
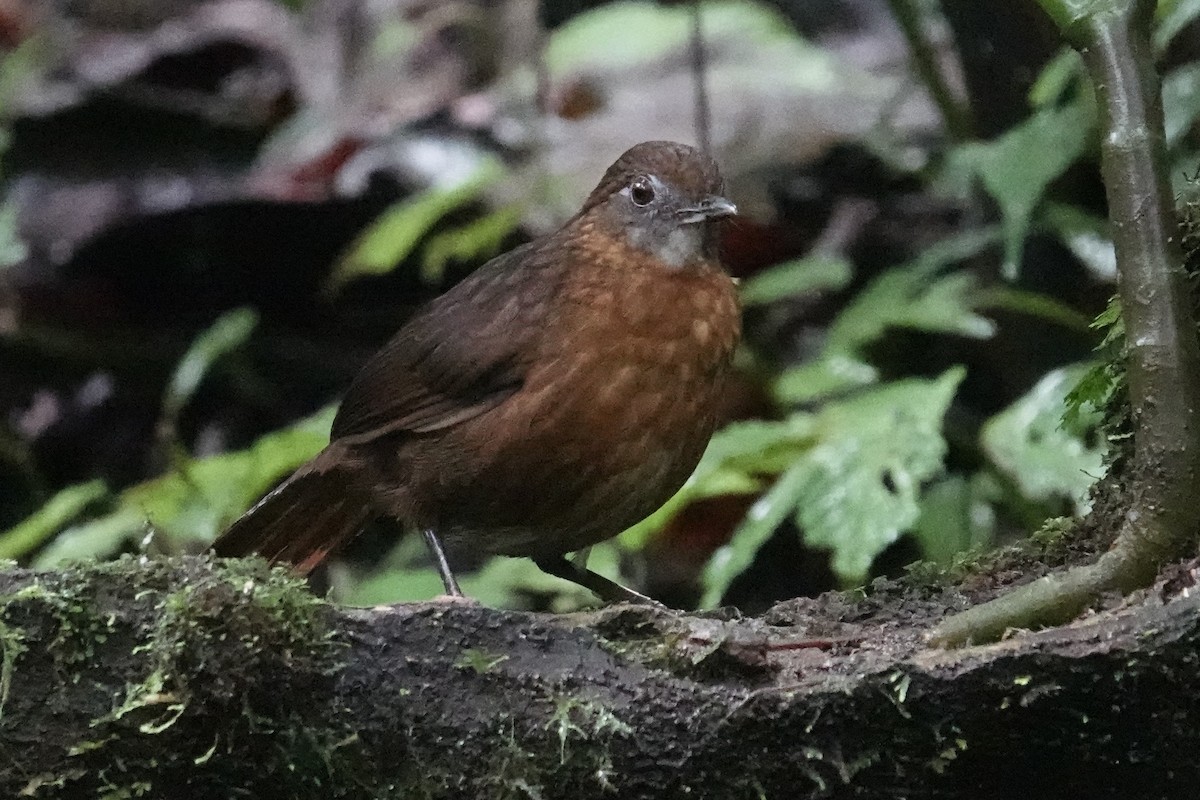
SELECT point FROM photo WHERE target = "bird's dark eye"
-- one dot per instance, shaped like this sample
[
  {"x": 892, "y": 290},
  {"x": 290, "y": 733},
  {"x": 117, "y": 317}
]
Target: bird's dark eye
[{"x": 641, "y": 191}]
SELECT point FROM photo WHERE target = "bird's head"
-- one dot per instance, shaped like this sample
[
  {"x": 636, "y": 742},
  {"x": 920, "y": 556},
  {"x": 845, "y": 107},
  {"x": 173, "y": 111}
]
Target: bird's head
[{"x": 665, "y": 198}]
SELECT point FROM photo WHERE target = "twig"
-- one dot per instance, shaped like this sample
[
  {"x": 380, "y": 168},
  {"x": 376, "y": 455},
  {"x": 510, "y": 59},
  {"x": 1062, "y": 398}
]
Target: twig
[
  {"x": 699, "y": 74},
  {"x": 955, "y": 114}
]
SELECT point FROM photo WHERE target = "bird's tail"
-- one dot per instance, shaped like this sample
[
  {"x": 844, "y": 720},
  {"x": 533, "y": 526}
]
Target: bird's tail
[{"x": 305, "y": 519}]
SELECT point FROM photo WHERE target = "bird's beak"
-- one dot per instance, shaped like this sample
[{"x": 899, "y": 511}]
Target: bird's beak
[{"x": 713, "y": 207}]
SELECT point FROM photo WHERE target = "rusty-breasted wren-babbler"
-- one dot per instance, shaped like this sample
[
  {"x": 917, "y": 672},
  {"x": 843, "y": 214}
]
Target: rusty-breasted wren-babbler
[{"x": 559, "y": 394}]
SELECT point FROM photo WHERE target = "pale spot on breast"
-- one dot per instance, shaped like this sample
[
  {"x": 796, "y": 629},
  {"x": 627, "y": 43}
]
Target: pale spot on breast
[{"x": 701, "y": 330}]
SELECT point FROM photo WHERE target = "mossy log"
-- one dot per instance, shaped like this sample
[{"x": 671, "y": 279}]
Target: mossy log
[{"x": 189, "y": 679}]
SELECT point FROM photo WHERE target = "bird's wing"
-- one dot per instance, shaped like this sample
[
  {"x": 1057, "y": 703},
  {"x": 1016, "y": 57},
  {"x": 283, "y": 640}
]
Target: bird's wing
[{"x": 462, "y": 355}]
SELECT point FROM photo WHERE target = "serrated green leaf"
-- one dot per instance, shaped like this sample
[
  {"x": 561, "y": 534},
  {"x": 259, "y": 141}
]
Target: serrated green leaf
[
  {"x": 193, "y": 504},
  {"x": 1027, "y": 443},
  {"x": 863, "y": 479},
  {"x": 1110, "y": 318},
  {"x": 853, "y": 481},
  {"x": 1092, "y": 393},
  {"x": 65, "y": 506},
  {"x": 395, "y": 234},
  {"x": 795, "y": 277}
]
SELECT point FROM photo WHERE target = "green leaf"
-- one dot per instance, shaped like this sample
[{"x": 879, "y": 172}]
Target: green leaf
[
  {"x": 955, "y": 518},
  {"x": 792, "y": 278},
  {"x": 65, "y": 506},
  {"x": 1172, "y": 17},
  {"x": 499, "y": 583},
  {"x": 1016, "y": 168},
  {"x": 1086, "y": 235},
  {"x": 853, "y": 478},
  {"x": 1027, "y": 443},
  {"x": 1059, "y": 74},
  {"x": 473, "y": 242},
  {"x": 397, "y": 232},
  {"x": 911, "y": 296},
  {"x": 735, "y": 459},
  {"x": 626, "y": 34},
  {"x": 864, "y": 478},
  {"x": 1034, "y": 305},
  {"x": 392, "y": 585},
  {"x": 1091, "y": 395},
  {"x": 193, "y": 503},
  {"x": 767, "y": 513},
  {"x": 1066, "y": 13},
  {"x": 816, "y": 380},
  {"x": 229, "y": 332},
  {"x": 1181, "y": 101}
]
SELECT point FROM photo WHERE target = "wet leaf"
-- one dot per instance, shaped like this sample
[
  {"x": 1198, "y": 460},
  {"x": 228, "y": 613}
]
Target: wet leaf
[
  {"x": 864, "y": 478},
  {"x": 854, "y": 480},
  {"x": 1027, "y": 442}
]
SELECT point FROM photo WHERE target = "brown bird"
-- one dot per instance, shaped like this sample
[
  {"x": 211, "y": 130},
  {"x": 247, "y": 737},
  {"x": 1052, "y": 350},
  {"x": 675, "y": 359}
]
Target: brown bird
[{"x": 556, "y": 396}]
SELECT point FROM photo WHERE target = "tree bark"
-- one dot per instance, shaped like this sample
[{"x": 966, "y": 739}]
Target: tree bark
[{"x": 186, "y": 678}]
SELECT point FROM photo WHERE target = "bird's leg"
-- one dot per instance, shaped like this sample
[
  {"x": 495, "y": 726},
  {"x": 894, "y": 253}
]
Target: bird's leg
[
  {"x": 443, "y": 566},
  {"x": 602, "y": 587}
]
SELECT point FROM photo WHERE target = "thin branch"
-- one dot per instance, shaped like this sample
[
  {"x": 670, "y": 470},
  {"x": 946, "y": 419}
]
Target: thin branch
[
  {"x": 699, "y": 75},
  {"x": 955, "y": 114}
]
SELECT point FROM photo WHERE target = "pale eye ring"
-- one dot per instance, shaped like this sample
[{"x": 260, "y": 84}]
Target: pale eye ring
[{"x": 641, "y": 192}]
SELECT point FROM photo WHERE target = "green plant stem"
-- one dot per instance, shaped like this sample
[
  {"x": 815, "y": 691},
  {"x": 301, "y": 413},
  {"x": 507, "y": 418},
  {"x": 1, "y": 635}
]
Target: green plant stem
[
  {"x": 1162, "y": 350},
  {"x": 955, "y": 114}
]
